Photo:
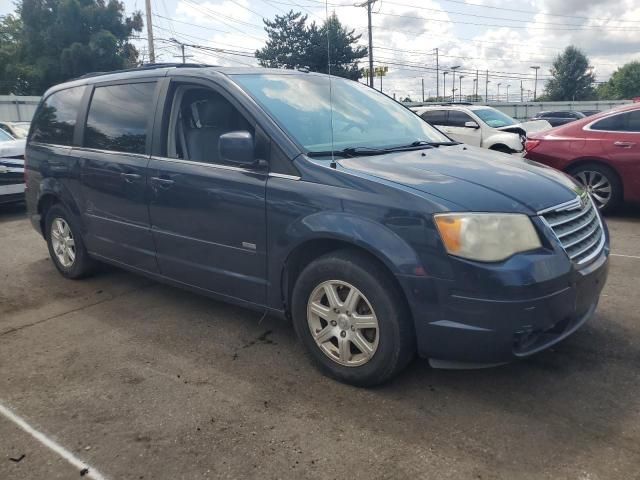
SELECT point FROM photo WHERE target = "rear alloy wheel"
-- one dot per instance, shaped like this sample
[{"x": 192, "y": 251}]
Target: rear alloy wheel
[
  {"x": 66, "y": 247},
  {"x": 601, "y": 183},
  {"x": 343, "y": 323}
]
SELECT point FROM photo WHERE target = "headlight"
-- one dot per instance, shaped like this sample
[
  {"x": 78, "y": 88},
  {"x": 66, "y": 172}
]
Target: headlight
[{"x": 486, "y": 237}]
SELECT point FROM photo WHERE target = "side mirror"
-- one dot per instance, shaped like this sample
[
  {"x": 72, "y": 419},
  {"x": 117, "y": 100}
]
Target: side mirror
[
  {"x": 237, "y": 147},
  {"x": 471, "y": 125}
]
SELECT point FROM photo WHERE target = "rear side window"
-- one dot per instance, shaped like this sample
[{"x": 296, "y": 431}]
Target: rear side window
[
  {"x": 435, "y": 117},
  {"x": 56, "y": 118},
  {"x": 118, "y": 117},
  {"x": 624, "y": 122}
]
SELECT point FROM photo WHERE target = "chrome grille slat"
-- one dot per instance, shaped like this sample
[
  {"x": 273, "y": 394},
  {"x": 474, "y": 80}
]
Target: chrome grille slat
[
  {"x": 553, "y": 224},
  {"x": 588, "y": 219},
  {"x": 577, "y": 227},
  {"x": 591, "y": 243},
  {"x": 591, "y": 230}
]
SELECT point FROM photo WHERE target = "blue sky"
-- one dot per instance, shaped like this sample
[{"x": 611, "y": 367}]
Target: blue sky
[{"x": 504, "y": 37}]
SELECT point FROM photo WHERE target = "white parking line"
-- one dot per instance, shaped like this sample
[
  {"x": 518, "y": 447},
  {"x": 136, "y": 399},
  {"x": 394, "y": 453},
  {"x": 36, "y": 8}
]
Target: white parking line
[
  {"x": 52, "y": 445},
  {"x": 625, "y": 256}
]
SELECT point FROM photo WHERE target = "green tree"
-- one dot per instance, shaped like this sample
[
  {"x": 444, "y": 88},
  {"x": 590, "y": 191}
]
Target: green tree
[
  {"x": 572, "y": 77},
  {"x": 288, "y": 42},
  {"x": 292, "y": 43},
  {"x": 55, "y": 40},
  {"x": 623, "y": 84}
]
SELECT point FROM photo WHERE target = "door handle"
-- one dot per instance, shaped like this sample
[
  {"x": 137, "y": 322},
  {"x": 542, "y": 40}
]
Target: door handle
[
  {"x": 162, "y": 182},
  {"x": 624, "y": 144},
  {"x": 130, "y": 177}
]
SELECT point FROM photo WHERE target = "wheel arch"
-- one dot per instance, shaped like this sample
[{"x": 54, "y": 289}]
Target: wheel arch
[
  {"x": 582, "y": 161},
  {"x": 370, "y": 238},
  {"x": 310, "y": 250},
  {"x": 53, "y": 192}
]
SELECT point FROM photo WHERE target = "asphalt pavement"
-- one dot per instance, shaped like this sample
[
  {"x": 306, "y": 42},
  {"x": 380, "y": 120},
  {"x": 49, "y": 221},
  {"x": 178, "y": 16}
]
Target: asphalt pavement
[{"x": 132, "y": 379}]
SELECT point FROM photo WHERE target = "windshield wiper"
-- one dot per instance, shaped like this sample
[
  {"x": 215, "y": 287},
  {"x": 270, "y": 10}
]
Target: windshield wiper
[{"x": 349, "y": 152}]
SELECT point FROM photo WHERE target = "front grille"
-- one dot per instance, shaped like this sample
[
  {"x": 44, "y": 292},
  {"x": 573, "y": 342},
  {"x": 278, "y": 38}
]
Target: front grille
[{"x": 577, "y": 227}]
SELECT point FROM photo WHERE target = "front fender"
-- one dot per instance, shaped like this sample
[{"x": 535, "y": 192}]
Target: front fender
[
  {"x": 362, "y": 232},
  {"x": 349, "y": 229},
  {"x": 511, "y": 140}
]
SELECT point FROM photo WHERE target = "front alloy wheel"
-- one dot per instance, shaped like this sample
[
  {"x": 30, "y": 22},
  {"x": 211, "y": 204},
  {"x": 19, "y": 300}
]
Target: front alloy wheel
[
  {"x": 343, "y": 323},
  {"x": 597, "y": 185}
]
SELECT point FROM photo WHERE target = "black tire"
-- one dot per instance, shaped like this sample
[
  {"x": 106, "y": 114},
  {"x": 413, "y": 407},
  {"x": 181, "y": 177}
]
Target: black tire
[
  {"x": 82, "y": 264},
  {"x": 396, "y": 336},
  {"x": 586, "y": 171},
  {"x": 501, "y": 148}
]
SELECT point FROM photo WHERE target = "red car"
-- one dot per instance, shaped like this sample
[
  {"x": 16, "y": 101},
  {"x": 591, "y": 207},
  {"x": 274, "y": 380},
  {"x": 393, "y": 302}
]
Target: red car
[{"x": 602, "y": 152}]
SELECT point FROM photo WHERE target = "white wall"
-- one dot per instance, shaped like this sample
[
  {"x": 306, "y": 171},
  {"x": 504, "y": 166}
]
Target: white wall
[{"x": 17, "y": 108}]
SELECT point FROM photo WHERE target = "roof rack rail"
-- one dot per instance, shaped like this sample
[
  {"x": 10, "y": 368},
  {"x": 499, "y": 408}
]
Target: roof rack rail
[
  {"x": 147, "y": 66},
  {"x": 449, "y": 104}
]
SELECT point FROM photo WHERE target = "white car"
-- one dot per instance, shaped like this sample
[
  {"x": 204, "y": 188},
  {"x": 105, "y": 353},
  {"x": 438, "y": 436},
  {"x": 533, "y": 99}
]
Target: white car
[
  {"x": 481, "y": 126},
  {"x": 11, "y": 169}
]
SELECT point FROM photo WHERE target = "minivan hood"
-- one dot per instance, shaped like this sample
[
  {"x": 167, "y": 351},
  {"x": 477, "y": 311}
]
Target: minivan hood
[{"x": 474, "y": 178}]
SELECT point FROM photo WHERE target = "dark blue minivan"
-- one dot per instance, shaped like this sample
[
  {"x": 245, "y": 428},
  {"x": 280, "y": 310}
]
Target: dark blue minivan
[{"x": 321, "y": 200}]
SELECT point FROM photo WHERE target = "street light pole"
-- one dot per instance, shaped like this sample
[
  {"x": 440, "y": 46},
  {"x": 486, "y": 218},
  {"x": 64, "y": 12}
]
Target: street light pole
[
  {"x": 508, "y": 85},
  {"x": 453, "y": 83},
  {"x": 460, "y": 89},
  {"x": 535, "y": 85},
  {"x": 499, "y": 91}
]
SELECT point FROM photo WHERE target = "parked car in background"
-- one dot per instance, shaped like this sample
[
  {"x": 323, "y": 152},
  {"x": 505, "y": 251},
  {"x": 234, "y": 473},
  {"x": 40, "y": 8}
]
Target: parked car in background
[
  {"x": 559, "y": 118},
  {"x": 481, "y": 126},
  {"x": 16, "y": 129},
  {"x": 371, "y": 230},
  {"x": 588, "y": 113},
  {"x": 602, "y": 152},
  {"x": 11, "y": 169}
]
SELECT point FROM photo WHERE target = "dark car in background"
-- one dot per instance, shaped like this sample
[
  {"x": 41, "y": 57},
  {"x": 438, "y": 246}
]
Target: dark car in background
[
  {"x": 601, "y": 152},
  {"x": 557, "y": 118},
  {"x": 373, "y": 231},
  {"x": 588, "y": 113}
]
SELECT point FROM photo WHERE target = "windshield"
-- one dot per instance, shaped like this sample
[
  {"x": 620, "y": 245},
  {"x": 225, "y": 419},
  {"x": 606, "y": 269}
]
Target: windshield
[
  {"x": 494, "y": 118},
  {"x": 4, "y": 136},
  {"x": 361, "y": 117}
]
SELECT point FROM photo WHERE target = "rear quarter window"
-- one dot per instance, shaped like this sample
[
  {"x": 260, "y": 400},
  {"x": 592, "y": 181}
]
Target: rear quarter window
[
  {"x": 55, "y": 120},
  {"x": 119, "y": 116},
  {"x": 435, "y": 117}
]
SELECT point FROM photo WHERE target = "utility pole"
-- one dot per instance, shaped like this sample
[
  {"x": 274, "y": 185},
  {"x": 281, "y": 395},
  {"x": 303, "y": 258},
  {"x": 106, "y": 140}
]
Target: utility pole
[
  {"x": 486, "y": 88},
  {"x": 444, "y": 84},
  {"x": 499, "y": 91},
  {"x": 152, "y": 54},
  {"x": 460, "y": 89},
  {"x": 453, "y": 83},
  {"x": 182, "y": 45},
  {"x": 423, "y": 90},
  {"x": 368, "y": 4},
  {"x": 475, "y": 89},
  {"x": 521, "y": 93},
  {"x": 508, "y": 85},
  {"x": 535, "y": 85},
  {"x": 437, "y": 76}
]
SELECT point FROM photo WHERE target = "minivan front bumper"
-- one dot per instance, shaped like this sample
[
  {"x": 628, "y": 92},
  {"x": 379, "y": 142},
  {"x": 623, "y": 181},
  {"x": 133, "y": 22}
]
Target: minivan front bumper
[{"x": 456, "y": 329}]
